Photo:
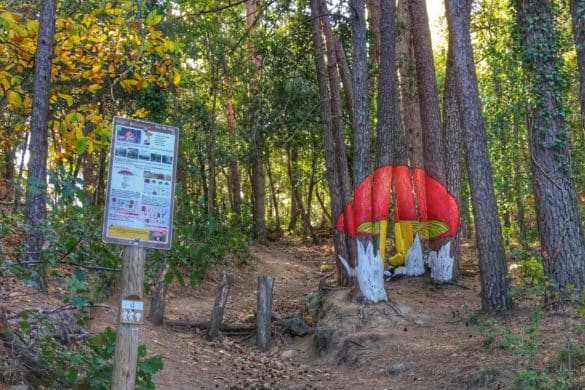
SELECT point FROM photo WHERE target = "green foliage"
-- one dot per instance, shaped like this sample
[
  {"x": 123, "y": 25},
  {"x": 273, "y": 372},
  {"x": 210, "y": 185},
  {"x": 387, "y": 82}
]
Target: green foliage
[{"x": 88, "y": 366}]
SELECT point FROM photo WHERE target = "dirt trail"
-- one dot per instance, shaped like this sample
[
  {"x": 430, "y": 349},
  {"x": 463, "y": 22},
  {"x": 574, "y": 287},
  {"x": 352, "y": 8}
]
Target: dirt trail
[{"x": 419, "y": 340}]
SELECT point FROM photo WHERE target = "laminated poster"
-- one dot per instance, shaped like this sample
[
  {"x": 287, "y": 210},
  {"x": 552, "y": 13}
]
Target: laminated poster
[{"x": 141, "y": 184}]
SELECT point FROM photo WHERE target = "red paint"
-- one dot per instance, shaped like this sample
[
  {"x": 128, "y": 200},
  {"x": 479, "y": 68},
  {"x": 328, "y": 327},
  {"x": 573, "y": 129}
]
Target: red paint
[{"x": 412, "y": 187}]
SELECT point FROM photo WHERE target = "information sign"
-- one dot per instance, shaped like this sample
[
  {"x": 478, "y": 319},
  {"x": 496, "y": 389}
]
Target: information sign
[{"x": 141, "y": 184}]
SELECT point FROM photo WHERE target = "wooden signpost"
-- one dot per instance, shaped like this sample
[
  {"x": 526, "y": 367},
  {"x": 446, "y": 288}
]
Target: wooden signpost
[{"x": 139, "y": 215}]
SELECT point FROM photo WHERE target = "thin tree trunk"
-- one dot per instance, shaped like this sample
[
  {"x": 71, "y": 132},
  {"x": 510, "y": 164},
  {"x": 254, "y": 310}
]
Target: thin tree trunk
[
  {"x": 234, "y": 170},
  {"x": 408, "y": 88},
  {"x": 264, "y": 311},
  {"x": 559, "y": 222},
  {"x": 345, "y": 73},
  {"x": 35, "y": 211},
  {"x": 494, "y": 285},
  {"x": 518, "y": 190},
  {"x": 578, "y": 19},
  {"x": 158, "y": 298},
  {"x": 273, "y": 194},
  {"x": 333, "y": 171},
  {"x": 453, "y": 146},
  {"x": 212, "y": 155},
  {"x": 293, "y": 176},
  {"x": 361, "y": 140},
  {"x": 221, "y": 296},
  {"x": 17, "y": 194}
]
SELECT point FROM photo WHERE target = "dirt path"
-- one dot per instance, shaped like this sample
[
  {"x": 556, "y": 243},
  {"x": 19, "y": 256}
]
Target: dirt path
[{"x": 419, "y": 340}]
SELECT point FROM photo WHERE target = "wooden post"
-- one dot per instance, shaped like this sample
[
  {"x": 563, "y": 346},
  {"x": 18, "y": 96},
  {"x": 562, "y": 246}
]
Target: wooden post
[
  {"x": 131, "y": 316},
  {"x": 264, "y": 311},
  {"x": 221, "y": 296},
  {"x": 158, "y": 298}
]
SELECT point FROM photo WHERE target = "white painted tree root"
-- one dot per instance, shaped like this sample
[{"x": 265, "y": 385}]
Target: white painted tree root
[
  {"x": 369, "y": 273},
  {"x": 441, "y": 264}
]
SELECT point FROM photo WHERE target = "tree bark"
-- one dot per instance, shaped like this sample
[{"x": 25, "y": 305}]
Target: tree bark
[
  {"x": 361, "y": 141},
  {"x": 273, "y": 194},
  {"x": 257, "y": 138},
  {"x": 578, "y": 19},
  {"x": 35, "y": 211},
  {"x": 408, "y": 87},
  {"x": 427, "y": 91},
  {"x": 494, "y": 285},
  {"x": 390, "y": 141},
  {"x": 558, "y": 219},
  {"x": 234, "y": 170},
  {"x": 221, "y": 296},
  {"x": 335, "y": 157},
  {"x": 264, "y": 311},
  {"x": 212, "y": 154},
  {"x": 453, "y": 146},
  {"x": 158, "y": 298}
]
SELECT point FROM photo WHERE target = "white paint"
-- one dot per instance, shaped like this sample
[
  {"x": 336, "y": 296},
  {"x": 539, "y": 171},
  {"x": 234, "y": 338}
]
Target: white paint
[
  {"x": 414, "y": 265},
  {"x": 441, "y": 264},
  {"x": 369, "y": 273}
]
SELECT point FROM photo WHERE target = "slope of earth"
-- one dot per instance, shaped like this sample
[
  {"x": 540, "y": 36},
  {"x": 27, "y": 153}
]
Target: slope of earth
[{"x": 420, "y": 339}]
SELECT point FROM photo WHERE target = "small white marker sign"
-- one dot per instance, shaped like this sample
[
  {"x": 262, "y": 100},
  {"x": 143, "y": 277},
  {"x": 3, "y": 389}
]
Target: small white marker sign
[{"x": 131, "y": 312}]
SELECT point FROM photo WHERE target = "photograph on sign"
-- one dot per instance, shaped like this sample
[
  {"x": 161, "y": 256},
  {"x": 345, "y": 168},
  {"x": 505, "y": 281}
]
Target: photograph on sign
[{"x": 140, "y": 194}]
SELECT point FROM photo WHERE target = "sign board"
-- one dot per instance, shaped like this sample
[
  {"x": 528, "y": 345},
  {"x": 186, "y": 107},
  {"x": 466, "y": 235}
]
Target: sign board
[
  {"x": 141, "y": 184},
  {"x": 131, "y": 312}
]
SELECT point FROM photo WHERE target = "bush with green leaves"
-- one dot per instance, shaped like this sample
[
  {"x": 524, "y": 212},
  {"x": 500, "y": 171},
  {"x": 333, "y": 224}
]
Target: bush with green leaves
[{"x": 85, "y": 366}]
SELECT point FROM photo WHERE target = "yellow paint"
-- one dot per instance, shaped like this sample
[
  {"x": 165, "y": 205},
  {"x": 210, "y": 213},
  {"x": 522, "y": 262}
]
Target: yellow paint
[
  {"x": 116, "y": 231},
  {"x": 403, "y": 239},
  {"x": 383, "y": 234}
]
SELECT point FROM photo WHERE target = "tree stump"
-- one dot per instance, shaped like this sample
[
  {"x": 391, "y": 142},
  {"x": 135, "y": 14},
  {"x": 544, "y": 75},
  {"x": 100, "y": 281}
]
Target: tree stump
[
  {"x": 157, "y": 300},
  {"x": 221, "y": 296},
  {"x": 264, "y": 311}
]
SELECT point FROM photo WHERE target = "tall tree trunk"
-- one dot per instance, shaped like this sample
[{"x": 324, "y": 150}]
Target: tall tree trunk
[
  {"x": 233, "y": 169},
  {"x": 368, "y": 269},
  {"x": 257, "y": 139},
  {"x": 212, "y": 152},
  {"x": 453, "y": 146},
  {"x": 434, "y": 157},
  {"x": 296, "y": 195},
  {"x": 518, "y": 190},
  {"x": 494, "y": 285},
  {"x": 273, "y": 194},
  {"x": 361, "y": 140},
  {"x": 408, "y": 88},
  {"x": 427, "y": 90},
  {"x": 333, "y": 170},
  {"x": 345, "y": 74},
  {"x": 35, "y": 211},
  {"x": 578, "y": 19},
  {"x": 558, "y": 219},
  {"x": 390, "y": 140}
]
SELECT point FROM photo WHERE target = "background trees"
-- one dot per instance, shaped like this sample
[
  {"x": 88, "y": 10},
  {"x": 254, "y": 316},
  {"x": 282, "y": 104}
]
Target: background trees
[{"x": 275, "y": 134}]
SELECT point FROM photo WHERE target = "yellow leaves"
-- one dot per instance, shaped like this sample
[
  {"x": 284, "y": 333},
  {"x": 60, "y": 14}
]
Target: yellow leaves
[
  {"x": 32, "y": 26},
  {"x": 8, "y": 19},
  {"x": 176, "y": 78},
  {"x": 153, "y": 19},
  {"x": 93, "y": 88},
  {"x": 127, "y": 84},
  {"x": 67, "y": 98},
  {"x": 14, "y": 99},
  {"x": 141, "y": 113}
]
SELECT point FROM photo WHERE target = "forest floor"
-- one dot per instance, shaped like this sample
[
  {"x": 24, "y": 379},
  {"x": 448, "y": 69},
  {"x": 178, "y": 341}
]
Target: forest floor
[{"x": 421, "y": 339}]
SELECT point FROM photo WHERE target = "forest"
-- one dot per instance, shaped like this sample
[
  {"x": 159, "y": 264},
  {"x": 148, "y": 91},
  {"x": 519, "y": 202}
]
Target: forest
[{"x": 367, "y": 194}]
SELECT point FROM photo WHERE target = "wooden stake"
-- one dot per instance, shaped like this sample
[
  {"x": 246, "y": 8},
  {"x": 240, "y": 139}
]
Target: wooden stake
[
  {"x": 159, "y": 294},
  {"x": 131, "y": 316},
  {"x": 223, "y": 290},
  {"x": 264, "y": 311}
]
